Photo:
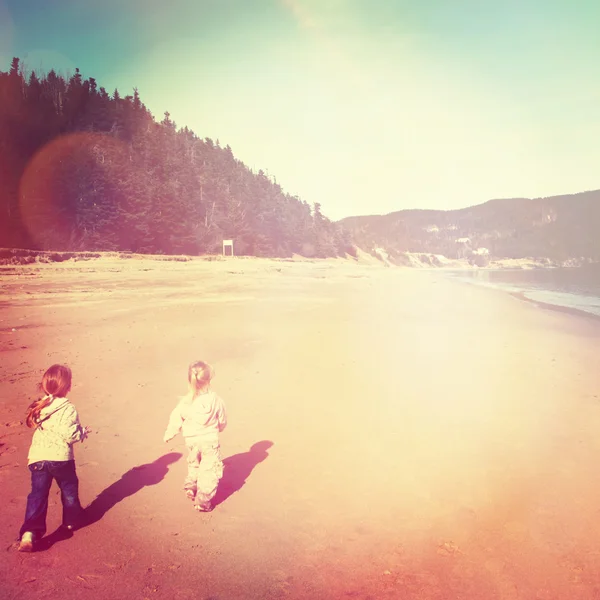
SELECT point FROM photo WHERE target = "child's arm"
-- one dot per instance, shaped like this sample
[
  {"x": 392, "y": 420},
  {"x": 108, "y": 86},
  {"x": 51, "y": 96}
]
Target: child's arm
[
  {"x": 221, "y": 415},
  {"x": 70, "y": 427},
  {"x": 174, "y": 426}
]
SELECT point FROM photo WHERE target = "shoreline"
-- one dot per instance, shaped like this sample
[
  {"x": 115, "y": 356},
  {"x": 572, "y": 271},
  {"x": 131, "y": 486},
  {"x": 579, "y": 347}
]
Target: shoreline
[
  {"x": 569, "y": 310},
  {"x": 522, "y": 294},
  {"x": 115, "y": 262}
]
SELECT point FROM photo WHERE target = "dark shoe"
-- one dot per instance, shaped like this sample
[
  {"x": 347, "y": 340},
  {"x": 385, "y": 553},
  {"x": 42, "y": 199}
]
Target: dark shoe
[{"x": 73, "y": 526}]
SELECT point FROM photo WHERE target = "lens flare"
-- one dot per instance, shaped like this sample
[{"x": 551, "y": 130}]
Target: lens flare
[{"x": 60, "y": 181}]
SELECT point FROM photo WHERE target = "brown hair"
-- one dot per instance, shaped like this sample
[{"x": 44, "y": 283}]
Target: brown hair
[
  {"x": 199, "y": 376},
  {"x": 56, "y": 383}
]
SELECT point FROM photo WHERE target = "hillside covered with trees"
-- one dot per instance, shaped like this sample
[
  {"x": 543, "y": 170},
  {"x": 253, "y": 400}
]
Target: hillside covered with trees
[
  {"x": 82, "y": 169},
  {"x": 558, "y": 228}
]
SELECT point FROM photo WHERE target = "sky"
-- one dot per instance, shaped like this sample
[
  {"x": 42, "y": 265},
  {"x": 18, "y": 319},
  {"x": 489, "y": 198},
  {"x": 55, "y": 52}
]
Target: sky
[{"x": 364, "y": 106}]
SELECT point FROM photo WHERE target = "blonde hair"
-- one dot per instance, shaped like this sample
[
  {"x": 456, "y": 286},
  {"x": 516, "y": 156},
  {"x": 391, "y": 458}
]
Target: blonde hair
[
  {"x": 200, "y": 374},
  {"x": 56, "y": 383}
]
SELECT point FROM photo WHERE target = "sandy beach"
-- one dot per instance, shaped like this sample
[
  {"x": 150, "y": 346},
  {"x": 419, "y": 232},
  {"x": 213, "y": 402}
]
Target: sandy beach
[{"x": 392, "y": 434}]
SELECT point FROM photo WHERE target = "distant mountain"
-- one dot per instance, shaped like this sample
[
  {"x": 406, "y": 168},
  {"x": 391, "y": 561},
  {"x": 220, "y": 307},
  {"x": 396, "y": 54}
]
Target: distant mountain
[{"x": 557, "y": 228}]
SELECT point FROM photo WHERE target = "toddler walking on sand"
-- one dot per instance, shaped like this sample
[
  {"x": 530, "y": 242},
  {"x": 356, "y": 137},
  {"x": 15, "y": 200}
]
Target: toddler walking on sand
[
  {"x": 56, "y": 428},
  {"x": 200, "y": 416}
]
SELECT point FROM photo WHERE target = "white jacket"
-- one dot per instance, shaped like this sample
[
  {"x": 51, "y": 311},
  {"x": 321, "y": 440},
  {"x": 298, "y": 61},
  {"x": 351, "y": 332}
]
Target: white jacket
[
  {"x": 204, "y": 416},
  {"x": 58, "y": 430}
]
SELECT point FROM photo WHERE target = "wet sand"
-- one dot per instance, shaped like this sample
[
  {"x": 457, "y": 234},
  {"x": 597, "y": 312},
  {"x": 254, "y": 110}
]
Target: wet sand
[{"x": 393, "y": 433}]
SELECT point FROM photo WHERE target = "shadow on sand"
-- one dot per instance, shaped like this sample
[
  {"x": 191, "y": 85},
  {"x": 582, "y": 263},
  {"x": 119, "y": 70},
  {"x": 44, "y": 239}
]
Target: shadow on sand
[
  {"x": 237, "y": 469},
  {"x": 130, "y": 483}
]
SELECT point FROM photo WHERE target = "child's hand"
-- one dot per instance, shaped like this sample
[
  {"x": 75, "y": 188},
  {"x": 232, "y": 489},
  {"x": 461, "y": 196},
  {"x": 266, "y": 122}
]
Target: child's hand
[{"x": 85, "y": 431}]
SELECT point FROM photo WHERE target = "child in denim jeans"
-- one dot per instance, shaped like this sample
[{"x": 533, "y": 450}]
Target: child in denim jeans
[
  {"x": 200, "y": 416},
  {"x": 57, "y": 428}
]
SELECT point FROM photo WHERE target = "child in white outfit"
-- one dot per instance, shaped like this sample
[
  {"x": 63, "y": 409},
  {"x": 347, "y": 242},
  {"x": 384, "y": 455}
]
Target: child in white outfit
[{"x": 200, "y": 416}]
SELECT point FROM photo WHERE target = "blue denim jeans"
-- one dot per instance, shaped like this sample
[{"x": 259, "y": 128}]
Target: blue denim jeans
[{"x": 42, "y": 474}]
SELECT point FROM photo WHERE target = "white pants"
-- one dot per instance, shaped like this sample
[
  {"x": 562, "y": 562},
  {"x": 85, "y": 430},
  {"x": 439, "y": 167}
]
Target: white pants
[{"x": 205, "y": 468}]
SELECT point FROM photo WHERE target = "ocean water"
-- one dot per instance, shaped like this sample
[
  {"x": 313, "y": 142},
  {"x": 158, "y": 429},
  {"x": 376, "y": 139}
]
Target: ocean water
[{"x": 572, "y": 288}]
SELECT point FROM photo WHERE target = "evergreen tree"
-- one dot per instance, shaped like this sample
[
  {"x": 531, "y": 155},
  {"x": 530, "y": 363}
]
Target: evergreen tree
[{"x": 108, "y": 176}]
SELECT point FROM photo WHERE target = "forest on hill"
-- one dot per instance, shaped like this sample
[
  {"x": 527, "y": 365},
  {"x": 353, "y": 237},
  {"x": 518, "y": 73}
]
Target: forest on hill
[
  {"x": 85, "y": 170},
  {"x": 558, "y": 228}
]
